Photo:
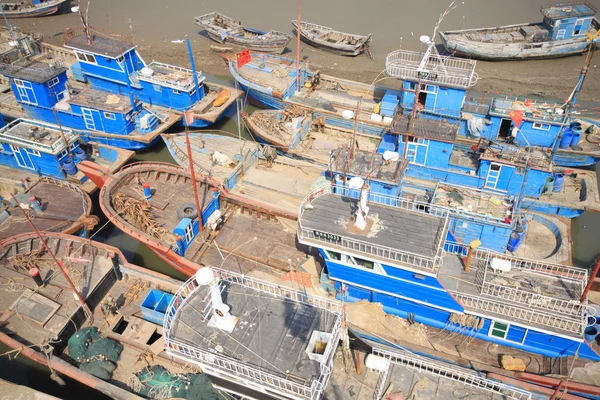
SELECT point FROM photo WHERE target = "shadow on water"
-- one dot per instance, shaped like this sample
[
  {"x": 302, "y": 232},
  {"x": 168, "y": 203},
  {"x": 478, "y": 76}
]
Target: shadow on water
[{"x": 585, "y": 231}]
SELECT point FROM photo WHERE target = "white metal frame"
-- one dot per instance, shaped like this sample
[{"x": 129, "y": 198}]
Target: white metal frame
[
  {"x": 20, "y": 153},
  {"x": 492, "y": 324},
  {"x": 541, "y": 126},
  {"x": 24, "y": 88}
]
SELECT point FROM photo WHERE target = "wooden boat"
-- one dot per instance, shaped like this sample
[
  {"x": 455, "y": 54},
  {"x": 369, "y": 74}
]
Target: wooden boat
[
  {"x": 33, "y": 8},
  {"x": 563, "y": 32},
  {"x": 345, "y": 44},
  {"x": 64, "y": 207},
  {"x": 223, "y": 29}
]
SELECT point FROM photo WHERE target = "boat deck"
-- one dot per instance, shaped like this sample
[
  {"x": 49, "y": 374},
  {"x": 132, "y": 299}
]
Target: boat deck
[
  {"x": 391, "y": 227},
  {"x": 272, "y": 333},
  {"x": 571, "y": 195},
  {"x": 61, "y": 207},
  {"x": 319, "y": 145},
  {"x": 36, "y": 314},
  {"x": 205, "y": 109},
  {"x": 471, "y": 200},
  {"x": 275, "y": 74},
  {"x": 370, "y": 164}
]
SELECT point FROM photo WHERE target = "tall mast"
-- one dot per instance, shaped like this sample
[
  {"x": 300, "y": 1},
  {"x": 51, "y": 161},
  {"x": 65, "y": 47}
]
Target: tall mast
[
  {"x": 193, "y": 66},
  {"x": 193, "y": 172},
  {"x": 298, "y": 48}
]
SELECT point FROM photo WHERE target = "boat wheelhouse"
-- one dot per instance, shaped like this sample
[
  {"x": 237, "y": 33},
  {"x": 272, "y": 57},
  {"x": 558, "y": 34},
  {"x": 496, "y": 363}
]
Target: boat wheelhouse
[
  {"x": 116, "y": 67},
  {"x": 564, "y": 31},
  {"x": 393, "y": 251}
]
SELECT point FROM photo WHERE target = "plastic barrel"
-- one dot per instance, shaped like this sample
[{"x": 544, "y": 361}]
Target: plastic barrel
[
  {"x": 565, "y": 141},
  {"x": 548, "y": 185},
  {"x": 590, "y": 333},
  {"x": 575, "y": 124},
  {"x": 577, "y": 132},
  {"x": 80, "y": 153},
  {"x": 514, "y": 241},
  {"x": 559, "y": 183},
  {"x": 69, "y": 166}
]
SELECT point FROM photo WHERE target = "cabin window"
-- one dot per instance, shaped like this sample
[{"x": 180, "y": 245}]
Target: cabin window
[
  {"x": 72, "y": 146},
  {"x": 53, "y": 82},
  {"x": 577, "y": 29},
  {"x": 520, "y": 171},
  {"x": 108, "y": 115},
  {"x": 34, "y": 152},
  {"x": 412, "y": 85},
  {"x": 495, "y": 167},
  {"x": 175, "y": 91},
  {"x": 63, "y": 154},
  {"x": 561, "y": 34},
  {"x": 121, "y": 59},
  {"x": 86, "y": 57},
  {"x": 499, "y": 330},
  {"x": 192, "y": 91},
  {"x": 540, "y": 126},
  {"x": 189, "y": 233},
  {"x": 361, "y": 263},
  {"x": 333, "y": 255},
  {"x": 157, "y": 88}
]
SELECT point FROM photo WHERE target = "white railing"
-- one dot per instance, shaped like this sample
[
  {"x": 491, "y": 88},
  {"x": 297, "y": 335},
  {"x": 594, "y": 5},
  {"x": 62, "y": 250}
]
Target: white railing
[
  {"x": 533, "y": 316},
  {"x": 381, "y": 385},
  {"x": 185, "y": 85},
  {"x": 438, "y": 70},
  {"x": 449, "y": 372},
  {"x": 569, "y": 307},
  {"x": 504, "y": 104},
  {"x": 399, "y": 256},
  {"x": 236, "y": 367},
  {"x": 58, "y": 145}
]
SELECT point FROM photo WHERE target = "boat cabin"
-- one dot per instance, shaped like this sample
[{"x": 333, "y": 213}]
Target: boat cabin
[
  {"x": 38, "y": 147},
  {"x": 116, "y": 67},
  {"x": 567, "y": 20}
]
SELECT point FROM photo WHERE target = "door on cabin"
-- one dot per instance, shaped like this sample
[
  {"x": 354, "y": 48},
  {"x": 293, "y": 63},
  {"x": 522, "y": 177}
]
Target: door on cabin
[
  {"x": 504, "y": 130},
  {"x": 416, "y": 151},
  {"x": 499, "y": 176},
  {"x": 92, "y": 119},
  {"x": 25, "y": 91},
  {"x": 22, "y": 157}
]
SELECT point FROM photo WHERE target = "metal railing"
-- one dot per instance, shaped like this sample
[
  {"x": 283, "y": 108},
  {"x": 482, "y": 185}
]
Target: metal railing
[
  {"x": 532, "y": 316},
  {"x": 238, "y": 368},
  {"x": 549, "y": 10},
  {"x": 437, "y": 70},
  {"x": 58, "y": 145},
  {"x": 62, "y": 183},
  {"x": 384, "y": 252},
  {"x": 505, "y": 104},
  {"x": 447, "y": 371},
  {"x": 185, "y": 85}
]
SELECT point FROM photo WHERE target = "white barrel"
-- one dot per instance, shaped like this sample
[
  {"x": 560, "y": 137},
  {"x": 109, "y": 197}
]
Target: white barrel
[{"x": 376, "y": 363}]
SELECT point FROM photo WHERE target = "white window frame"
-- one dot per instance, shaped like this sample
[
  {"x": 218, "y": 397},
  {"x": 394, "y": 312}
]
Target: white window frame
[
  {"x": 120, "y": 59},
  {"x": 189, "y": 233},
  {"x": 34, "y": 152},
  {"x": 73, "y": 145},
  {"x": 85, "y": 57},
  {"x": 540, "y": 126},
  {"x": 581, "y": 31},
  {"x": 53, "y": 82},
  {"x": 63, "y": 154},
  {"x": 561, "y": 34},
  {"x": 110, "y": 116},
  {"x": 175, "y": 91},
  {"x": 492, "y": 324}
]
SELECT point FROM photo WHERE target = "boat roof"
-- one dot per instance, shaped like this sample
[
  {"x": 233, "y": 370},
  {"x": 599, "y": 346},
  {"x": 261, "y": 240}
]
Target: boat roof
[
  {"x": 475, "y": 203},
  {"x": 426, "y": 128},
  {"x": 534, "y": 293},
  {"x": 88, "y": 97},
  {"x": 537, "y": 110},
  {"x": 103, "y": 46},
  {"x": 510, "y": 154},
  {"x": 273, "y": 332},
  {"x": 33, "y": 70},
  {"x": 571, "y": 9},
  {"x": 45, "y": 138},
  {"x": 170, "y": 75},
  {"x": 398, "y": 231},
  {"x": 371, "y": 164}
]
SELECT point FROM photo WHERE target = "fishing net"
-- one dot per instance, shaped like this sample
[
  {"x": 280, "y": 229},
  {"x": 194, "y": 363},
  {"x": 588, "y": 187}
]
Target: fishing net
[
  {"x": 157, "y": 383},
  {"x": 98, "y": 356}
]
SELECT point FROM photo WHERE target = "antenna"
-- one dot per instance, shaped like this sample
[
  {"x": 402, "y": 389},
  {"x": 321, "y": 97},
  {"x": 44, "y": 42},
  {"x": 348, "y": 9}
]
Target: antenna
[{"x": 84, "y": 21}]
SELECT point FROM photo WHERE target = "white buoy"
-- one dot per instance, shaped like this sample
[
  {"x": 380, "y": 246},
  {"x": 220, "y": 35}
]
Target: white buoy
[
  {"x": 75, "y": 9},
  {"x": 363, "y": 209},
  {"x": 376, "y": 363},
  {"x": 348, "y": 114}
]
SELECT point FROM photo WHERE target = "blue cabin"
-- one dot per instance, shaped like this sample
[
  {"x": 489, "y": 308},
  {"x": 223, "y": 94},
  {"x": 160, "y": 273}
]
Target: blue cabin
[
  {"x": 38, "y": 148},
  {"x": 116, "y": 67},
  {"x": 41, "y": 89},
  {"x": 399, "y": 256},
  {"x": 568, "y": 20}
]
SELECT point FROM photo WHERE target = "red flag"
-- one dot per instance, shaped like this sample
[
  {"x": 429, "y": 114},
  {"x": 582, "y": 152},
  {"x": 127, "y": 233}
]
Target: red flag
[
  {"x": 243, "y": 58},
  {"x": 189, "y": 117},
  {"x": 517, "y": 117}
]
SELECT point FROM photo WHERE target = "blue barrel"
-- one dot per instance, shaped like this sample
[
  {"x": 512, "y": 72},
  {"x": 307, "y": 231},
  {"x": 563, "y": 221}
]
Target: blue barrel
[
  {"x": 577, "y": 132},
  {"x": 548, "y": 185},
  {"x": 514, "y": 241},
  {"x": 575, "y": 124},
  {"x": 565, "y": 141},
  {"x": 520, "y": 229},
  {"x": 559, "y": 183},
  {"x": 80, "y": 153},
  {"x": 69, "y": 166},
  {"x": 590, "y": 333}
]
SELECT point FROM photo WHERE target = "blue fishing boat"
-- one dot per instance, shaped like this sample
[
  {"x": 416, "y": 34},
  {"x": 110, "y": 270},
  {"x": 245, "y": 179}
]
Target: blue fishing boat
[
  {"x": 43, "y": 92},
  {"x": 399, "y": 253},
  {"x": 115, "y": 66},
  {"x": 31, "y": 8},
  {"x": 32, "y": 149},
  {"x": 568, "y": 28}
]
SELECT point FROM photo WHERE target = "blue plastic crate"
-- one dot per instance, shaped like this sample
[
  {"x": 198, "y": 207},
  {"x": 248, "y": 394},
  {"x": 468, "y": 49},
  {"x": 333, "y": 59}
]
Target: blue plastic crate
[{"x": 155, "y": 306}]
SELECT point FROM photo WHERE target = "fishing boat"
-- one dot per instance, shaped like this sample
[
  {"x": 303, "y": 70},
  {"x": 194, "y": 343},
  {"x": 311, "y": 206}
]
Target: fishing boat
[
  {"x": 223, "y": 29},
  {"x": 303, "y": 135},
  {"x": 568, "y": 28},
  {"x": 323, "y": 37},
  {"x": 31, "y": 8},
  {"x": 32, "y": 149},
  {"x": 56, "y": 206}
]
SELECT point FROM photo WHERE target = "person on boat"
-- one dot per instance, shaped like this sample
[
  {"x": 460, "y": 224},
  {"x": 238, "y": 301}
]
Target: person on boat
[{"x": 514, "y": 131}]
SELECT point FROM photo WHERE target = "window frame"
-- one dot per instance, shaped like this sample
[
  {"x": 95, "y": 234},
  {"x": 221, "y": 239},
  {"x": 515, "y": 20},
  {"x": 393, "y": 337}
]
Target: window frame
[
  {"x": 493, "y": 328},
  {"x": 540, "y": 126},
  {"x": 33, "y": 152},
  {"x": 176, "y": 91},
  {"x": 110, "y": 116},
  {"x": 81, "y": 56},
  {"x": 53, "y": 82}
]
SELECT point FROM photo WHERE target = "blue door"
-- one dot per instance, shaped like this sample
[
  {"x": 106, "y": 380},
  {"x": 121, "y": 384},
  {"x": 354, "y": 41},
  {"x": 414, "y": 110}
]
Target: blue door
[
  {"x": 25, "y": 91},
  {"x": 22, "y": 157},
  {"x": 92, "y": 119},
  {"x": 499, "y": 176},
  {"x": 416, "y": 152}
]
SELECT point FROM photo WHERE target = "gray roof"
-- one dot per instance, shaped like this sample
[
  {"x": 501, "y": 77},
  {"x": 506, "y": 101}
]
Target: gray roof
[
  {"x": 426, "y": 128},
  {"x": 368, "y": 163},
  {"x": 100, "y": 45},
  {"x": 32, "y": 70}
]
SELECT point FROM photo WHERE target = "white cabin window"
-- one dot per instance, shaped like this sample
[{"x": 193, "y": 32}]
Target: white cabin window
[
  {"x": 72, "y": 146},
  {"x": 157, "y": 88},
  {"x": 53, "y": 82},
  {"x": 108, "y": 115},
  {"x": 34, "y": 152},
  {"x": 540, "y": 126},
  {"x": 561, "y": 34},
  {"x": 175, "y": 91},
  {"x": 63, "y": 154},
  {"x": 333, "y": 255},
  {"x": 120, "y": 59},
  {"x": 189, "y": 233},
  {"x": 498, "y": 330},
  {"x": 85, "y": 57},
  {"x": 577, "y": 28}
]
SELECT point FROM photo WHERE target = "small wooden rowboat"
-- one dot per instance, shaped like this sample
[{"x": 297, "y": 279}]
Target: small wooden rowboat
[
  {"x": 345, "y": 44},
  {"x": 223, "y": 29},
  {"x": 33, "y": 8}
]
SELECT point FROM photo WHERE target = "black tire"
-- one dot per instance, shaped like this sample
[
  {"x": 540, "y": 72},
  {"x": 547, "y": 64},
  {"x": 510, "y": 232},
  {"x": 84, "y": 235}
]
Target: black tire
[{"x": 187, "y": 210}]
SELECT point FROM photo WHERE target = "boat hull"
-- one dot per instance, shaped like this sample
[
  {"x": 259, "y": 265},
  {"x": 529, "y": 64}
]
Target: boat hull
[
  {"x": 277, "y": 47},
  {"x": 34, "y": 11},
  {"x": 339, "y": 51},
  {"x": 113, "y": 140}
]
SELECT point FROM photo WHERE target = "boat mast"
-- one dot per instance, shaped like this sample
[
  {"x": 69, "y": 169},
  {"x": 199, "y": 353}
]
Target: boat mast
[
  {"x": 88, "y": 313},
  {"x": 10, "y": 29},
  {"x": 192, "y": 171},
  {"x": 298, "y": 48},
  {"x": 84, "y": 21},
  {"x": 193, "y": 65}
]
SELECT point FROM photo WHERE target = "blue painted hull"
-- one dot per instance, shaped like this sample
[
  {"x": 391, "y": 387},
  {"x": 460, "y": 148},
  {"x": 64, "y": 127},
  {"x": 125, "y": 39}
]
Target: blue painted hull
[
  {"x": 124, "y": 143},
  {"x": 259, "y": 95}
]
